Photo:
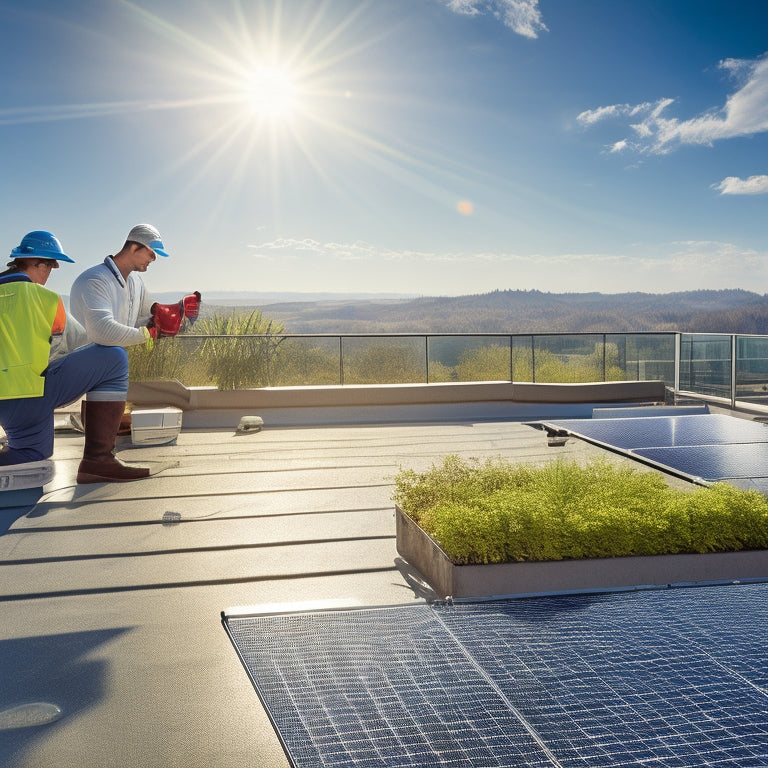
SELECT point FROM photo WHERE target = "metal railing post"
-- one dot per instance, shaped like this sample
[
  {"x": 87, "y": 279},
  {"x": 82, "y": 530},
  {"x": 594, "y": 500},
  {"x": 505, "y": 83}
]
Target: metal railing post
[
  {"x": 733, "y": 370},
  {"x": 341, "y": 361},
  {"x": 605, "y": 352},
  {"x": 267, "y": 361}
]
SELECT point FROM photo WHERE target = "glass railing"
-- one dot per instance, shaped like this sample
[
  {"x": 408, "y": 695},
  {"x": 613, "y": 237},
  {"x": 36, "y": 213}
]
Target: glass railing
[
  {"x": 280, "y": 360},
  {"x": 726, "y": 366},
  {"x": 722, "y": 366}
]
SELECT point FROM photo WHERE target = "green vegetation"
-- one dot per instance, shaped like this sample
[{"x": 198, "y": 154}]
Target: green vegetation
[
  {"x": 236, "y": 358},
  {"x": 498, "y": 512},
  {"x": 233, "y": 355}
]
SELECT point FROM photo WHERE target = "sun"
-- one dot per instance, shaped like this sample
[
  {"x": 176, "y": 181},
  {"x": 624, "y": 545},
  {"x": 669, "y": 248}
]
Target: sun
[{"x": 271, "y": 91}]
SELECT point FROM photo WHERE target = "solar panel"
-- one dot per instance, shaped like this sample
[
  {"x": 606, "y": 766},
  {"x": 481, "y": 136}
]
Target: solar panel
[
  {"x": 662, "y": 431},
  {"x": 704, "y": 447},
  {"x": 644, "y": 411},
  {"x": 675, "y": 677},
  {"x": 713, "y": 462}
]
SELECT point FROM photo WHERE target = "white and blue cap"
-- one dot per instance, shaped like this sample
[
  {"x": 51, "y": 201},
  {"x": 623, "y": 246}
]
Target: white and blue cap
[{"x": 147, "y": 235}]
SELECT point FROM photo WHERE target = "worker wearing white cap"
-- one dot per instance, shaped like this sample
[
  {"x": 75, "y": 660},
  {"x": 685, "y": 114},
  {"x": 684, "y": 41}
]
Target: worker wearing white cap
[{"x": 110, "y": 299}]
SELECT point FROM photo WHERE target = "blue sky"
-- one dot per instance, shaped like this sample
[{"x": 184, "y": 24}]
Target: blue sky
[{"x": 433, "y": 147}]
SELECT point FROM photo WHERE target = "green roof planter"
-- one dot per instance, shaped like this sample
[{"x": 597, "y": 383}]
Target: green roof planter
[{"x": 502, "y": 529}]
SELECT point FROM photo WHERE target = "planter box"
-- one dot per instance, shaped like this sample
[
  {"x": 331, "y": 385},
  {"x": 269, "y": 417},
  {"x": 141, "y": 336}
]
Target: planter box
[{"x": 558, "y": 576}]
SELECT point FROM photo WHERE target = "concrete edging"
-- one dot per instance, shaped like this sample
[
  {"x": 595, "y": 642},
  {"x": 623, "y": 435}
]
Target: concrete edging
[
  {"x": 530, "y": 578},
  {"x": 361, "y": 403}
]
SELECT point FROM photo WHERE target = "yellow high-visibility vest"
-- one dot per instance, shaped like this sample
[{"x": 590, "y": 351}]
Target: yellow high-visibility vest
[{"x": 30, "y": 315}]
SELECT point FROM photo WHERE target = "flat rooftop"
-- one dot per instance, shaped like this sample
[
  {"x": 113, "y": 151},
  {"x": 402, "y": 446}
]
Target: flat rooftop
[{"x": 111, "y": 596}]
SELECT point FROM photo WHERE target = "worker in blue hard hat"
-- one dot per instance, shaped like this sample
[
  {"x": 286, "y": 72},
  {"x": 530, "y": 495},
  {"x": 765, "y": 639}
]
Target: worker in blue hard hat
[
  {"x": 46, "y": 363},
  {"x": 38, "y": 253}
]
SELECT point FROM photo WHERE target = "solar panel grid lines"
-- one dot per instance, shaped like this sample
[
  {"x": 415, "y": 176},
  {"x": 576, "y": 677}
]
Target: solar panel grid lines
[
  {"x": 657, "y": 678},
  {"x": 395, "y": 704}
]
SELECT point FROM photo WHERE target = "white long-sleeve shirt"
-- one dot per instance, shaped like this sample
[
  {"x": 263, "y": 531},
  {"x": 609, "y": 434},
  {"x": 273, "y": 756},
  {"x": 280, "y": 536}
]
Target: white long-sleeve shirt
[
  {"x": 113, "y": 310},
  {"x": 73, "y": 337}
]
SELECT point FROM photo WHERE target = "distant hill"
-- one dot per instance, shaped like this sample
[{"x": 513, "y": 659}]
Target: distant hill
[{"x": 726, "y": 311}]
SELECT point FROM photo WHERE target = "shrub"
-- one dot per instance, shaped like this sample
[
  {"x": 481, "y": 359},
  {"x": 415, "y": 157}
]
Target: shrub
[
  {"x": 238, "y": 354},
  {"x": 496, "y": 511}
]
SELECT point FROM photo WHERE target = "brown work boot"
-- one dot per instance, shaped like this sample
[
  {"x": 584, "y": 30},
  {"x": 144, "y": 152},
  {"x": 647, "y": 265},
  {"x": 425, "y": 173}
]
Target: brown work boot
[
  {"x": 99, "y": 464},
  {"x": 125, "y": 424},
  {"x": 125, "y": 421}
]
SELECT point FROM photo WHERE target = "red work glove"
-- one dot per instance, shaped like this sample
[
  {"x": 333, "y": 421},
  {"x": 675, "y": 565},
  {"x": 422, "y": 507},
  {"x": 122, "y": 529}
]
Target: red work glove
[
  {"x": 152, "y": 328},
  {"x": 192, "y": 306},
  {"x": 166, "y": 318}
]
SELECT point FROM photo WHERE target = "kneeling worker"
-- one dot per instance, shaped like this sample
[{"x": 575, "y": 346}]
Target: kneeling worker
[{"x": 43, "y": 366}]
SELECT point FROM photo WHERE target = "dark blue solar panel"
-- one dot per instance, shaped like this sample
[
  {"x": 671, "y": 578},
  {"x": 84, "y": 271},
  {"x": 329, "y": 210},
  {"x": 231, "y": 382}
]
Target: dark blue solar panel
[
  {"x": 658, "y": 678},
  {"x": 707, "y": 447},
  {"x": 663, "y": 431},
  {"x": 713, "y": 462}
]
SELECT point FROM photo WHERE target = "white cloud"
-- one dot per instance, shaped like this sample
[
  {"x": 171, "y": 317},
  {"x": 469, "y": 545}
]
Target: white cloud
[
  {"x": 733, "y": 185},
  {"x": 294, "y": 248},
  {"x": 465, "y": 7},
  {"x": 521, "y": 16},
  {"x": 592, "y": 116},
  {"x": 745, "y": 113}
]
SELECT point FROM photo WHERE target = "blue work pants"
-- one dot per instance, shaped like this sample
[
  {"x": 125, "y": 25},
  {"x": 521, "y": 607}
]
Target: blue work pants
[{"x": 100, "y": 372}]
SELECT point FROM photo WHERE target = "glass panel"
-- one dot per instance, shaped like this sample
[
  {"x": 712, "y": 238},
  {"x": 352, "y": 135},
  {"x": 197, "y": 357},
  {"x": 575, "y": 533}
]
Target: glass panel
[
  {"x": 170, "y": 358},
  {"x": 705, "y": 364},
  {"x": 522, "y": 358},
  {"x": 752, "y": 369},
  {"x": 572, "y": 358},
  {"x": 384, "y": 360},
  {"x": 300, "y": 361},
  {"x": 640, "y": 357},
  {"x": 239, "y": 362},
  {"x": 468, "y": 358}
]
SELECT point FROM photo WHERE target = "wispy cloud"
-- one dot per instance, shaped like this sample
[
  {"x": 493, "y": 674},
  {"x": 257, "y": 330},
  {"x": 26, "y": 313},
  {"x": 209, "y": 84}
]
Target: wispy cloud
[
  {"x": 521, "y": 16},
  {"x": 654, "y": 268},
  {"x": 733, "y": 185},
  {"x": 744, "y": 113},
  {"x": 289, "y": 247}
]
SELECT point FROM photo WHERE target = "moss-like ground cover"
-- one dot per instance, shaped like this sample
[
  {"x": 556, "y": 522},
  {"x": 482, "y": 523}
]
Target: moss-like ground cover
[{"x": 498, "y": 512}]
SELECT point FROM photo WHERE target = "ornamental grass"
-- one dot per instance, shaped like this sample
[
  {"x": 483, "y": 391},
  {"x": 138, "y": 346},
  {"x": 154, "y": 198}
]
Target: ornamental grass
[{"x": 499, "y": 512}]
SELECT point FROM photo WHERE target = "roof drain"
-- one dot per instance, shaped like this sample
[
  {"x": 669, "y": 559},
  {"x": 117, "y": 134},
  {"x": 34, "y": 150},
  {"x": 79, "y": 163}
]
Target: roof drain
[{"x": 249, "y": 424}]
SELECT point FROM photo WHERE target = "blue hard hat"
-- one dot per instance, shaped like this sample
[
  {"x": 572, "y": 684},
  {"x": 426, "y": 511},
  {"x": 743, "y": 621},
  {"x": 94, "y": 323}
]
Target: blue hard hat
[{"x": 40, "y": 245}]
